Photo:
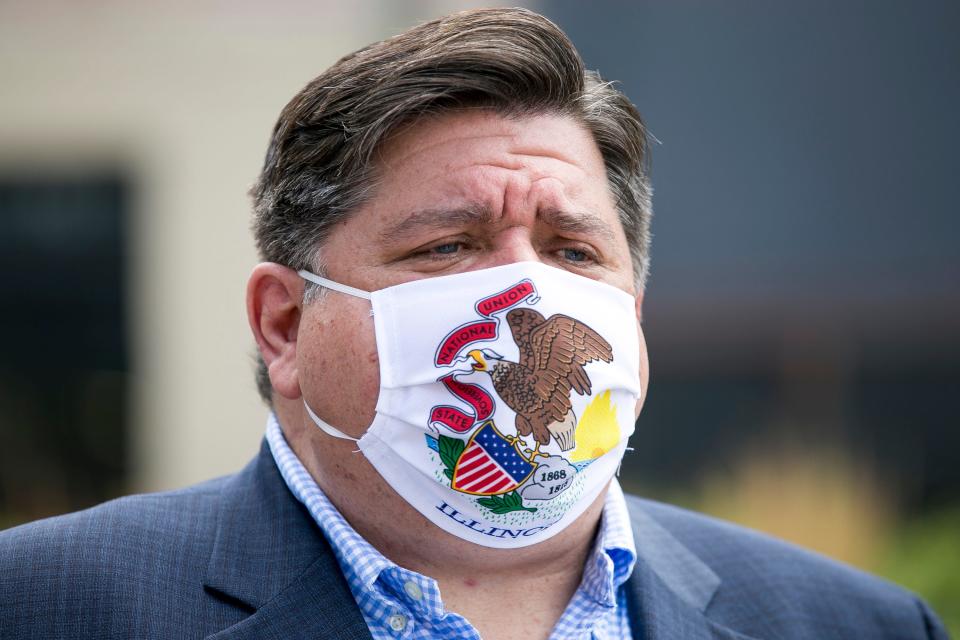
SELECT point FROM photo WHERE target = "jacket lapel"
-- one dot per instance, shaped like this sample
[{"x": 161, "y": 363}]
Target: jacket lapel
[
  {"x": 312, "y": 606},
  {"x": 670, "y": 587},
  {"x": 269, "y": 557}
]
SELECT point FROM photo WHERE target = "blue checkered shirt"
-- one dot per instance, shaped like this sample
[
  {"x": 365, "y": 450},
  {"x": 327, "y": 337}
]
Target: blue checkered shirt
[{"x": 397, "y": 603}]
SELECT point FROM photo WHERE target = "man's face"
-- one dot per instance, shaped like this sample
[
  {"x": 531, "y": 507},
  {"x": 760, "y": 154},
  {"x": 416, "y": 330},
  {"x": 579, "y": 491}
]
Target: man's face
[{"x": 459, "y": 192}]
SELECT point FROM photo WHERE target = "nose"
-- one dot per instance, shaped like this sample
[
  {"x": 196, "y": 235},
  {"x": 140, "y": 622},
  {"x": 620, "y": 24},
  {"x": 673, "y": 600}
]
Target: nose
[{"x": 513, "y": 244}]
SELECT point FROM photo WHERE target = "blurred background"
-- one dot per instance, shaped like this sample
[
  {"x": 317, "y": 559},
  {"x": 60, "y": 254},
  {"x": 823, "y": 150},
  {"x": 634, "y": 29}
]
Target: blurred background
[{"x": 803, "y": 315}]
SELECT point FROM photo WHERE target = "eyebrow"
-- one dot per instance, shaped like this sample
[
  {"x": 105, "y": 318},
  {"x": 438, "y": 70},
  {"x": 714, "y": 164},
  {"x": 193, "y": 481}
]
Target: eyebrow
[
  {"x": 431, "y": 219},
  {"x": 579, "y": 223}
]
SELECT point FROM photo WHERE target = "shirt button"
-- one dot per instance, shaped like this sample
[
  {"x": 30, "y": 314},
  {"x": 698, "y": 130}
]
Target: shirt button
[
  {"x": 413, "y": 590},
  {"x": 397, "y": 622}
]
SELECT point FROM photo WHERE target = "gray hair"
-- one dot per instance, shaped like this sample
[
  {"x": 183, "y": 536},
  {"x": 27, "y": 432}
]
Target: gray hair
[{"x": 320, "y": 164}]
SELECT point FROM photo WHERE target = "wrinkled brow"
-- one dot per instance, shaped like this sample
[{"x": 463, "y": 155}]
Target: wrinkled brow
[
  {"x": 433, "y": 219},
  {"x": 418, "y": 222}
]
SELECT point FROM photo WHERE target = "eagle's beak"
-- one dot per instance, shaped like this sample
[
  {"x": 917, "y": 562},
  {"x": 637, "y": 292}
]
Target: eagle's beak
[{"x": 480, "y": 363}]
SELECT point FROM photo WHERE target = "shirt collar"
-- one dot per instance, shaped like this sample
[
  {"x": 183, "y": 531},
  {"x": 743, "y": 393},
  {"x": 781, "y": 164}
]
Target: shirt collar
[
  {"x": 614, "y": 553},
  {"x": 608, "y": 566},
  {"x": 360, "y": 561}
]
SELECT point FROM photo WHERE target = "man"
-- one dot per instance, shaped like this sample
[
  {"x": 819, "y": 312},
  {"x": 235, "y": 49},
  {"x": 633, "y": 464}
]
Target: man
[{"x": 455, "y": 226}]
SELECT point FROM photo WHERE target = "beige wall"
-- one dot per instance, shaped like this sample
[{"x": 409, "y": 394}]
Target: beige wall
[{"x": 184, "y": 96}]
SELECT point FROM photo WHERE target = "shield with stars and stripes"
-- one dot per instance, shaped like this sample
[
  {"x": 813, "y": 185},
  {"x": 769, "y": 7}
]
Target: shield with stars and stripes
[{"x": 490, "y": 465}]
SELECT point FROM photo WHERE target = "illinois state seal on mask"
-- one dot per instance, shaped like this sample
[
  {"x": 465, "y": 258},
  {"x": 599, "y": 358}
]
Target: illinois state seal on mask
[{"x": 506, "y": 397}]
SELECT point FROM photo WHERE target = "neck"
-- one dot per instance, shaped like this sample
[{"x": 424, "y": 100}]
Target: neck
[{"x": 472, "y": 578}]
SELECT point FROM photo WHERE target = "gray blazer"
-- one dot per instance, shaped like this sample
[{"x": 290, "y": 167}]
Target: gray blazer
[{"x": 239, "y": 557}]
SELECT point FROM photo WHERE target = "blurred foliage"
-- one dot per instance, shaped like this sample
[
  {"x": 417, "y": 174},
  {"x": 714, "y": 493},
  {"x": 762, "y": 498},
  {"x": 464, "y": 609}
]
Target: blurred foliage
[
  {"x": 813, "y": 495},
  {"x": 923, "y": 555},
  {"x": 826, "y": 499}
]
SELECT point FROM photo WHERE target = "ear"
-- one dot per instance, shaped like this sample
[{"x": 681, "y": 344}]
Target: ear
[
  {"x": 639, "y": 307},
  {"x": 274, "y": 297}
]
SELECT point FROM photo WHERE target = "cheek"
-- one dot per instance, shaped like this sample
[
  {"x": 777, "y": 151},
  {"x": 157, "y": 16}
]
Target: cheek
[{"x": 338, "y": 365}]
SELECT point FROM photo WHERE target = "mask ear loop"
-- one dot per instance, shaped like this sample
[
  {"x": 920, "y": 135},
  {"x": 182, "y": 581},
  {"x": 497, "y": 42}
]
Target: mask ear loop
[
  {"x": 328, "y": 428},
  {"x": 336, "y": 286}
]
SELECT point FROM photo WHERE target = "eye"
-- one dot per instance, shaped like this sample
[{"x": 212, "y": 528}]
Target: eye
[
  {"x": 442, "y": 250},
  {"x": 575, "y": 255},
  {"x": 447, "y": 248}
]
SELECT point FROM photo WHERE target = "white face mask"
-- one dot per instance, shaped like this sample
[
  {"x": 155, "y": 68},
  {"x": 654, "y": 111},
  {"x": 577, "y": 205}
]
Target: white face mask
[{"x": 506, "y": 400}]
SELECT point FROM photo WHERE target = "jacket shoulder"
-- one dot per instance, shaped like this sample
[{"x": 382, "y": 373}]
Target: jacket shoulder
[
  {"x": 766, "y": 581},
  {"x": 146, "y": 513},
  {"x": 107, "y": 565}
]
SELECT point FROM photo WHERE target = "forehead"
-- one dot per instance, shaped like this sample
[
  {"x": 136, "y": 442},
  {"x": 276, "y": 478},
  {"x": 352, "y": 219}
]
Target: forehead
[
  {"x": 541, "y": 144},
  {"x": 492, "y": 160}
]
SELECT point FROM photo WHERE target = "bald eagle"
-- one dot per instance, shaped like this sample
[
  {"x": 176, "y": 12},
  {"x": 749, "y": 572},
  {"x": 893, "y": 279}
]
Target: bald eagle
[{"x": 553, "y": 353}]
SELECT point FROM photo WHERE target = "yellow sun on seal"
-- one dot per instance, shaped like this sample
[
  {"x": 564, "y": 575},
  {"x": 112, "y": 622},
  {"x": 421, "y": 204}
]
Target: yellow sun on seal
[{"x": 597, "y": 431}]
